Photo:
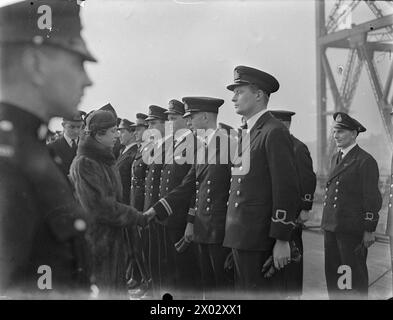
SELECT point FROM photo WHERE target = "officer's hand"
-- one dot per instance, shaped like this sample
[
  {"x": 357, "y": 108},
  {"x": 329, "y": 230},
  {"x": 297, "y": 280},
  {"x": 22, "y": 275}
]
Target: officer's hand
[
  {"x": 281, "y": 254},
  {"x": 150, "y": 214},
  {"x": 189, "y": 232},
  {"x": 368, "y": 239},
  {"x": 304, "y": 216}
]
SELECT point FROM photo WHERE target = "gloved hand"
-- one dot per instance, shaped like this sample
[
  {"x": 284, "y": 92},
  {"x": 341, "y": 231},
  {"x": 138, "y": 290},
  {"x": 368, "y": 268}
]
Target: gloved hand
[
  {"x": 229, "y": 263},
  {"x": 182, "y": 245}
]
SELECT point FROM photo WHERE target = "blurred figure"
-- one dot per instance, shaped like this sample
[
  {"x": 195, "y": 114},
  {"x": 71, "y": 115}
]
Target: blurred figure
[
  {"x": 98, "y": 187},
  {"x": 64, "y": 148},
  {"x": 42, "y": 75}
]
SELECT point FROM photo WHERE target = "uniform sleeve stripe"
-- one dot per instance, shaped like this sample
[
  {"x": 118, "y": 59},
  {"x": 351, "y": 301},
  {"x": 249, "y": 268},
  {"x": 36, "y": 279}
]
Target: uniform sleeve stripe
[{"x": 166, "y": 206}]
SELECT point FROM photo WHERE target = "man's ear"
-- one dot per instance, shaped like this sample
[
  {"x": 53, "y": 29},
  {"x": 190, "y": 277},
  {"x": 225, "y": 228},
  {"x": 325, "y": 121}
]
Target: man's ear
[
  {"x": 33, "y": 61},
  {"x": 63, "y": 124}
]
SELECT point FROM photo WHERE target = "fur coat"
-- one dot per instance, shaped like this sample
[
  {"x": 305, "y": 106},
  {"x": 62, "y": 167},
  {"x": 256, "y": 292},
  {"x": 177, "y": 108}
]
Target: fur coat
[{"x": 98, "y": 188}]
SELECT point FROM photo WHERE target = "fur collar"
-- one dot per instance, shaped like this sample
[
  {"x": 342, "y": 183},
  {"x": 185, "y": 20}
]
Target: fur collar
[{"x": 93, "y": 149}]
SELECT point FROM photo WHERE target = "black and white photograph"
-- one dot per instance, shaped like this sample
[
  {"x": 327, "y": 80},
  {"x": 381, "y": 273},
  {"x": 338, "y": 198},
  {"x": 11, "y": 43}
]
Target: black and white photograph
[{"x": 195, "y": 150}]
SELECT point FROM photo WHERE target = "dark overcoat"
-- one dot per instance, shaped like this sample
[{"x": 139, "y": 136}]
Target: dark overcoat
[{"x": 41, "y": 222}]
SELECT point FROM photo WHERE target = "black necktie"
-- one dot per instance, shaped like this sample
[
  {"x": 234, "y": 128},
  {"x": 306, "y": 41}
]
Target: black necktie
[
  {"x": 339, "y": 157},
  {"x": 73, "y": 144}
]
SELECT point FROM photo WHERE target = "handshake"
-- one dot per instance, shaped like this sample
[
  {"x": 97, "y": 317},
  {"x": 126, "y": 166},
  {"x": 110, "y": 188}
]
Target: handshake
[{"x": 145, "y": 217}]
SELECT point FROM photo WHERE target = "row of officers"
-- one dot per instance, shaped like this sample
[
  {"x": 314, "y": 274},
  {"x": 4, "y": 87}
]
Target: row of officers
[{"x": 193, "y": 229}]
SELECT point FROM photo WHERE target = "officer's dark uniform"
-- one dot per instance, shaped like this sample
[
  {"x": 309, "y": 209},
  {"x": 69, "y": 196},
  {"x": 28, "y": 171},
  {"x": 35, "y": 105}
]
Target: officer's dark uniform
[
  {"x": 64, "y": 153},
  {"x": 294, "y": 272},
  {"x": 124, "y": 163},
  {"x": 351, "y": 205},
  {"x": 183, "y": 272},
  {"x": 158, "y": 270},
  {"x": 139, "y": 237},
  {"x": 210, "y": 183},
  {"x": 264, "y": 201},
  {"x": 41, "y": 223}
]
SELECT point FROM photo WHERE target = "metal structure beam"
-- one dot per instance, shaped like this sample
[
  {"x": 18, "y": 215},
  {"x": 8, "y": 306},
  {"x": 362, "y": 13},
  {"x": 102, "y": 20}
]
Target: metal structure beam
[
  {"x": 372, "y": 25},
  {"x": 358, "y": 40},
  {"x": 321, "y": 91},
  {"x": 375, "y": 46}
]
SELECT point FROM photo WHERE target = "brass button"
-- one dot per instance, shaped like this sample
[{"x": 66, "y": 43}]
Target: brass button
[
  {"x": 334, "y": 205},
  {"x": 238, "y": 192},
  {"x": 80, "y": 225},
  {"x": 324, "y": 204},
  {"x": 239, "y": 180},
  {"x": 337, "y": 182},
  {"x": 208, "y": 200},
  {"x": 197, "y": 183},
  {"x": 336, "y": 190},
  {"x": 227, "y": 203},
  {"x": 207, "y": 209},
  {"x": 208, "y": 190},
  {"x": 208, "y": 182},
  {"x": 335, "y": 198},
  {"x": 236, "y": 205}
]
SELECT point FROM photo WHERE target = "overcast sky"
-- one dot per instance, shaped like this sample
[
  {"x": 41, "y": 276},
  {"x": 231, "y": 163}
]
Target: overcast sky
[{"x": 150, "y": 52}]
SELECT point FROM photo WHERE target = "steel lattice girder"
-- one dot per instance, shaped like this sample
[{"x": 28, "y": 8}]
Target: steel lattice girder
[{"x": 354, "y": 39}]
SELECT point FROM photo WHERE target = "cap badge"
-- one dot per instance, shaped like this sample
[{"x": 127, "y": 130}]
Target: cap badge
[{"x": 338, "y": 118}]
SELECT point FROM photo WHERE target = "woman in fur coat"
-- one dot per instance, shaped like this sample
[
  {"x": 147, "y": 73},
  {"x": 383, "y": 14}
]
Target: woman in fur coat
[{"x": 98, "y": 188}]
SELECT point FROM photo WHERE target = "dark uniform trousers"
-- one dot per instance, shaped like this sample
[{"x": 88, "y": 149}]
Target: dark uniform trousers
[
  {"x": 182, "y": 271},
  {"x": 351, "y": 206},
  {"x": 293, "y": 273},
  {"x": 342, "y": 249},
  {"x": 263, "y": 204},
  {"x": 139, "y": 236},
  {"x": 210, "y": 184}
]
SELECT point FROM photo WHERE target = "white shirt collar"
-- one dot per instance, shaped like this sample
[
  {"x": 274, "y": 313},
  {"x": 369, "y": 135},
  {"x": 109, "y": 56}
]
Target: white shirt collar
[
  {"x": 252, "y": 121},
  {"x": 69, "y": 140},
  {"x": 128, "y": 147},
  {"x": 347, "y": 149}
]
